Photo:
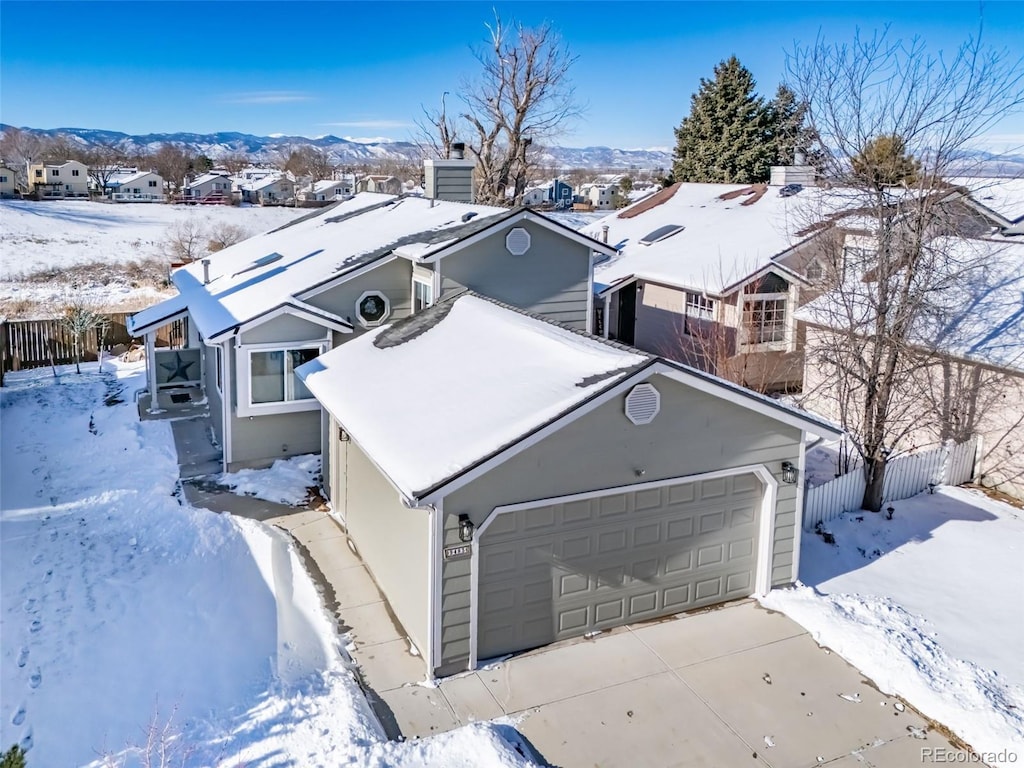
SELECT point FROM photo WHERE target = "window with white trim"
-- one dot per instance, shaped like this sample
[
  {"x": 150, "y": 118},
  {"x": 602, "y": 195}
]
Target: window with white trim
[
  {"x": 272, "y": 377},
  {"x": 765, "y": 318},
  {"x": 220, "y": 370},
  {"x": 56, "y": 172},
  {"x": 698, "y": 307},
  {"x": 152, "y": 182}
]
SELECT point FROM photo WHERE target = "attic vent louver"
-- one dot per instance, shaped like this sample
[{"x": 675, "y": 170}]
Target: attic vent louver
[
  {"x": 517, "y": 241},
  {"x": 661, "y": 233},
  {"x": 642, "y": 404}
]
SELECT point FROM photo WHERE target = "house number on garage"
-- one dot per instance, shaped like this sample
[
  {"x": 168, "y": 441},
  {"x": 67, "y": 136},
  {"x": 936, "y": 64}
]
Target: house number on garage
[{"x": 460, "y": 550}]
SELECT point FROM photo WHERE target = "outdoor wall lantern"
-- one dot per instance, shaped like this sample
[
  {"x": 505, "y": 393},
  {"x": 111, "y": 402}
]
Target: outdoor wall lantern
[
  {"x": 788, "y": 472},
  {"x": 465, "y": 528}
]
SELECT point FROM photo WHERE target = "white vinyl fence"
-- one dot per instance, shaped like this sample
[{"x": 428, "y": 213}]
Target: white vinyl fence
[{"x": 905, "y": 476}]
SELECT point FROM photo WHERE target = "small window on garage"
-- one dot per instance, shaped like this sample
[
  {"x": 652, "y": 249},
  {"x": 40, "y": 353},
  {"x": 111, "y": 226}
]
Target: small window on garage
[
  {"x": 517, "y": 241},
  {"x": 642, "y": 404}
]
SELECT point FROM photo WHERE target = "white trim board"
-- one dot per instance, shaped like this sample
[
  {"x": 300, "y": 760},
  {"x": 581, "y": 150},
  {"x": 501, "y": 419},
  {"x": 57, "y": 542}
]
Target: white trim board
[
  {"x": 293, "y": 307},
  {"x": 344, "y": 277},
  {"x": 766, "y": 530}
]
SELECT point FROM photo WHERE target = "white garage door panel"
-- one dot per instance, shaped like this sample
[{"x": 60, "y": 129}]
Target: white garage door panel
[{"x": 558, "y": 571}]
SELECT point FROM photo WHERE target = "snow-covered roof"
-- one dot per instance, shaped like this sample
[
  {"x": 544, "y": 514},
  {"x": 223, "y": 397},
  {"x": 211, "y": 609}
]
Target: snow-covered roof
[
  {"x": 263, "y": 273},
  {"x": 977, "y": 316},
  {"x": 728, "y": 231},
  {"x": 130, "y": 177},
  {"x": 1002, "y": 196},
  {"x": 489, "y": 372},
  {"x": 207, "y": 177},
  {"x": 266, "y": 181}
]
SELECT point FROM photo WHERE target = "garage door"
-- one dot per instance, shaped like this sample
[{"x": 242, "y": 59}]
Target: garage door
[{"x": 561, "y": 570}]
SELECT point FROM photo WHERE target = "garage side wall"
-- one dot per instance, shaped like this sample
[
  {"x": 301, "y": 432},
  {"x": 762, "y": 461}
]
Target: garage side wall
[
  {"x": 694, "y": 433},
  {"x": 393, "y": 540}
]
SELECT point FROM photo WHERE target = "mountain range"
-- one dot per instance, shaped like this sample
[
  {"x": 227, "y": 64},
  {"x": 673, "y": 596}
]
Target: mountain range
[{"x": 342, "y": 151}]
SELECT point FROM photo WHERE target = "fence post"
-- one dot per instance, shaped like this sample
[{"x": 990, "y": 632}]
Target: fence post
[{"x": 979, "y": 452}]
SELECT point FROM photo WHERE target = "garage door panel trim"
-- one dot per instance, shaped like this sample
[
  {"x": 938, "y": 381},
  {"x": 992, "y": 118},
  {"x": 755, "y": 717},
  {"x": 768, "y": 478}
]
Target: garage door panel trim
[{"x": 764, "y": 535}]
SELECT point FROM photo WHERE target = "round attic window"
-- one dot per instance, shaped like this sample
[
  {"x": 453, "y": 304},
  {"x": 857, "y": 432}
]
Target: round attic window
[
  {"x": 517, "y": 241},
  {"x": 642, "y": 404},
  {"x": 373, "y": 308}
]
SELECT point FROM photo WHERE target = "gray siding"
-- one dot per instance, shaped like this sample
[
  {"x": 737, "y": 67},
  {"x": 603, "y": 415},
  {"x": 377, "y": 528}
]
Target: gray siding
[
  {"x": 448, "y": 183},
  {"x": 694, "y": 433},
  {"x": 212, "y": 395},
  {"x": 393, "y": 279},
  {"x": 258, "y": 440},
  {"x": 393, "y": 540},
  {"x": 551, "y": 279},
  {"x": 284, "y": 328}
]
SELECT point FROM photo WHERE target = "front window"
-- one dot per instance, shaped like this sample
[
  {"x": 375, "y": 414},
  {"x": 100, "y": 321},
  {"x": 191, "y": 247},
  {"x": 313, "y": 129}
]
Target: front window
[
  {"x": 422, "y": 295},
  {"x": 765, "y": 320},
  {"x": 56, "y": 172},
  {"x": 74, "y": 171},
  {"x": 272, "y": 375},
  {"x": 698, "y": 307}
]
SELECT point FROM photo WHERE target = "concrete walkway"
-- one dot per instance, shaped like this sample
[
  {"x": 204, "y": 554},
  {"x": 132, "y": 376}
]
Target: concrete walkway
[{"x": 728, "y": 687}]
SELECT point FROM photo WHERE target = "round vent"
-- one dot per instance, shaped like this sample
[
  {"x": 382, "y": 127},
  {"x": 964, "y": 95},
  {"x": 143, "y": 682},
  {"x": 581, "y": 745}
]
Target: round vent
[
  {"x": 642, "y": 404},
  {"x": 517, "y": 241}
]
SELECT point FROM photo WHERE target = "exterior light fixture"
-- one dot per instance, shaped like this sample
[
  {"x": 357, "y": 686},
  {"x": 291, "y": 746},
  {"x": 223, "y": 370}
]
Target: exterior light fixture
[
  {"x": 466, "y": 528},
  {"x": 788, "y": 472}
]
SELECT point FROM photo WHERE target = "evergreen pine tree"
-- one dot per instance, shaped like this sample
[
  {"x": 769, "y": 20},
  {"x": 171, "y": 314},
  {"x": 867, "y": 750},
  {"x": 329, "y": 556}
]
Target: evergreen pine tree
[
  {"x": 788, "y": 132},
  {"x": 724, "y": 138},
  {"x": 884, "y": 161}
]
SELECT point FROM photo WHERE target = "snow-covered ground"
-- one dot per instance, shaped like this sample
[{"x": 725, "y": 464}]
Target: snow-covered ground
[
  {"x": 125, "y": 614},
  {"x": 60, "y": 234},
  {"x": 287, "y": 481},
  {"x": 928, "y": 605}
]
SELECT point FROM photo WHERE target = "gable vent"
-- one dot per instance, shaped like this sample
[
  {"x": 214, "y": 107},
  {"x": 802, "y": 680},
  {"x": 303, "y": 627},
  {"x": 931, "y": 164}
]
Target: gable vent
[
  {"x": 517, "y": 241},
  {"x": 643, "y": 403}
]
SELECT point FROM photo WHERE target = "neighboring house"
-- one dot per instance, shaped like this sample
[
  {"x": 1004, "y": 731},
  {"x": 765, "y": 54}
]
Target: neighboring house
[
  {"x": 388, "y": 185},
  {"x": 601, "y": 197},
  {"x": 213, "y": 187},
  {"x": 329, "y": 190},
  {"x": 535, "y": 196},
  {"x": 8, "y": 182},
  {"x": 511, "y": 482},
  {"x": 560, "y": 194},
  {"x": 270, "y": 190},
  {"x": 259, "y": 309},
  {"x": 55, "y": 181},
  {"x": 136, "y": 187},
  {"x": 965, "y": 373},
  {"x": 711, "y": 274}
]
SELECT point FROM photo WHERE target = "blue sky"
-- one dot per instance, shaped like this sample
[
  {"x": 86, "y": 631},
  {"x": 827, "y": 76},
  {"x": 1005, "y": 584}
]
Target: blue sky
[{"x": 364, "y": 69}]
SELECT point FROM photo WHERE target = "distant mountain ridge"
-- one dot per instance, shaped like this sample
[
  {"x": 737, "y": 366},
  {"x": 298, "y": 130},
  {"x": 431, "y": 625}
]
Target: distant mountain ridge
[{"x": 215, "y": 145}]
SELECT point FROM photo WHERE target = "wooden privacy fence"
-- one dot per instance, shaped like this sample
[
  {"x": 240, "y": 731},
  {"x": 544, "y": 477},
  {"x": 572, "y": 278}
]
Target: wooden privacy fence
[
  {"x": 35, "y": 343},
  {"x": 905, "y": 476}
]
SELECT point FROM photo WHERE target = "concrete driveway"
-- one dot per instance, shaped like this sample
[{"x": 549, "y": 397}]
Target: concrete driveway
[{"x": 734, "y": 686}]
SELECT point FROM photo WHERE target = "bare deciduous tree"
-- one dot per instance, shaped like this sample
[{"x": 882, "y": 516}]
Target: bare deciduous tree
[
  {"x": 930, "y": 109},
  {"x": 235, "y": 162},
  {"x": 522, "y": 96},
  {"x": 19, "y": 148},
  {"x": 172, "y": 163},
  {"x": 79, "y": 319},
  {"x": 226, "y": 234},
  {"x": 187, "y": 241},
  {"x": 104, "y": 161}
]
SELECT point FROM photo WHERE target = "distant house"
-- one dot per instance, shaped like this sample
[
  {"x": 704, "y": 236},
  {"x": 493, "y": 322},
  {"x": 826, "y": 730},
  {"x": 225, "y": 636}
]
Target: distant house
[
  {"x": 534, "y": 196},
  {"x": 8, "y": 184},
  {"x": 387, "y": 185},
  {"x": 136, "y": 187},
  {"x": 328, "y": 190},
  {"x": 270, "y": 190},
  {"x": 210, "y": 188},
  {"x": 601, "y": 197},
  {"x": 56, "y": 181},
  {"x": 560, "y": 194}
]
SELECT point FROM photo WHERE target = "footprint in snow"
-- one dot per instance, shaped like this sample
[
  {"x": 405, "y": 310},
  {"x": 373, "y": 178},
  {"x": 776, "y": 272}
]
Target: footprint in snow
[
  {"x": 30, "y": 605},
  {"x": 22, "y": 657},
  {"x": 47, "y": 576},
  {"x": 19, "y": 717},
  {"x": 53, "y": 535},
  {"x": 27, "y": 742},
  {"x": 36, "y": 679},
  {"x": 35, "y": 626},
  {"x": 37, "y": 559}
]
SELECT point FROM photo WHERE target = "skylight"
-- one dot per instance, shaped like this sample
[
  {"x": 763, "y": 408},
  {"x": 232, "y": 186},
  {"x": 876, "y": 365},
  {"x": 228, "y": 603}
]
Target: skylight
[{"x": 661, "y": 233}]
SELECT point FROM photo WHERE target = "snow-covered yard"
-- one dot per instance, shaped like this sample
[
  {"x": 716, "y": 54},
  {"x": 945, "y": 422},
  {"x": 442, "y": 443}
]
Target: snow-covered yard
[
  {"x": 122, "y": 608},
  {"x": 61, "y": 234},
  {"x": 929, "y": 606}
]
